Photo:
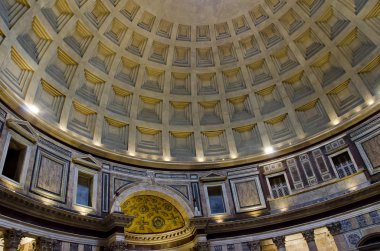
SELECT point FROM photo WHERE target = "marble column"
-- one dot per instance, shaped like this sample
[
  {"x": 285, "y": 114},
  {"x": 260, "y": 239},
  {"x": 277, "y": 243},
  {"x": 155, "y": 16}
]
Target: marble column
[
  {"x": 310, "y": 239},
  {"x": 12, "y": 239},
  {"x": 254, "y": 246},
  {"x": 335, "y": 229},
  {"x": 279, "y": 241},
  {"x": 118, "y": 246}
]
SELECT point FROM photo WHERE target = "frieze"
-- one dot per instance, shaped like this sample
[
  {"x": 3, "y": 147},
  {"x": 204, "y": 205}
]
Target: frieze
[
  {"x": 273, "y": 168},
  {"x": 129, "y": 171},
  {"x": 365, "y": 129},
  {"x": 335, "y": 146},
  {"x": 171, "y": 176},
  {"x": 54, "y": 147}
]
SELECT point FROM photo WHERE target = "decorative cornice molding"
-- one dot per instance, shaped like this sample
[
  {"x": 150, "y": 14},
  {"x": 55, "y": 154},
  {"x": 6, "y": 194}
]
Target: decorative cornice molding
[
  {"x": 23, "y": 204},
  {"x": 87, "y": 160},
  {"x": 24, "y": 128}
]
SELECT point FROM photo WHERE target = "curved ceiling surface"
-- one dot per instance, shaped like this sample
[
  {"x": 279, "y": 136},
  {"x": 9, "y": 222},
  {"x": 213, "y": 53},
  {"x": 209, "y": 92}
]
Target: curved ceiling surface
[
  {"x": 197, "y": 83},
  {"x": 196, "y": 11}
]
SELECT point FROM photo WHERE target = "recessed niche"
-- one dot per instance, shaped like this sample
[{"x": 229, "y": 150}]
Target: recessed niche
[
  {"x": 210, "y": 113},
  {"x": 82, "y": 120},
  {"x": 269, "y": 99},
  {"x": 233, "y": 80},
  {"x": 247, "y": 139},
  {"x": 62, "y": 68},
  {"x": 98, "y": 14},
  {"x": 137, "y": 44},
  {"x": 180, "y": 113},
  {"x": 205, "y": 57},
  {"x": 127, "y": 71},
  {"x": 182, "y": 144},
  {"x": 115, "y": 134},
  {"x": 180, "y": 83},
  {"x": 116, "y": 31},
  {"x": 279, "y": 128},
  {"x": 207, "y": 84},
  {"x": 36, "y": 41},
  {"x": 103, "y": 58},
  {"x": 58, "y": 14},
  {"x": 181, "y": 57},
  {"x": 91, "y": 88},
  {"x": 150, "y": 109},
  {"x": 79, "y": 39},
  {"x": 240, "y": 108},
  {"x": 148, "y": 141},
  {"x": 215, "y": 143},
  {"x": 154, "y": 79},
  {"x": 51, "y": 99},
  {"x": 120, "y": 101},
  {"x": 130, "y": 10}
]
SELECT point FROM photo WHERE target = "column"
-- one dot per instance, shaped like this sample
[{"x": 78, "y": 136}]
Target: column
[
  {"x": 12, "y": 239},
  {"x": 310, "y": 239},
  {"x": 335, "y": 229},
  {"x": 279, "y": 241},
  {"x": 118, "y": 246},
  {"x": 254, "y": 246}
]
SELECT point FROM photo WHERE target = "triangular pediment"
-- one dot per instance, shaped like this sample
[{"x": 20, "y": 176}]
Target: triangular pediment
[
  {"x": 88, "y": 161},
  {"x": 213, "y": 177},
  {"x": 24, "y": 128}
]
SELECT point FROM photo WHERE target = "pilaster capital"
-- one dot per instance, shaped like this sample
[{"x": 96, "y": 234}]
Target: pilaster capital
[
  {"x": 309, "y": 235},
  {"x": 12, "y": 238},
  {"x": 118, "y": 246},
  {"x": 254, "y": 246},
  {"x": 279, "y": 241},
  {"x": 202, "y": 246},
  {"x": 334, "y": 228}
]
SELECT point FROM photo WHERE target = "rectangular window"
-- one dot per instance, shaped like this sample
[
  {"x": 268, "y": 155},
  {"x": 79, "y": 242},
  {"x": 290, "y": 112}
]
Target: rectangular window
[
  {"x": 216, "y": 200},
  {"x": 84, "y": 190},
  {"x": 278, "y": 186},
  {"x": 14, "y": 160},
  {"x": 343, "y": 164}
]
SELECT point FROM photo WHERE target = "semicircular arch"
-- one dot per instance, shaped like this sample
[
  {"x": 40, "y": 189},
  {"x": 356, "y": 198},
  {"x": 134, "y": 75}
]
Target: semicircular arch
[{"x": 163, "y": 192}]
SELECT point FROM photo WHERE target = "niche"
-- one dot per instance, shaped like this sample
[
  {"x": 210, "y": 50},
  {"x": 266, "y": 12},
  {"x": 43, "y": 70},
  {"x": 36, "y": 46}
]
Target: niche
[{"x": 14, "y": 160}]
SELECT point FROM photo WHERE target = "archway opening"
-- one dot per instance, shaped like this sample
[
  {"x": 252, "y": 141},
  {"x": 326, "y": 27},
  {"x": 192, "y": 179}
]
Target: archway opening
[
  {"x": 370, "y": 243},
  {"x": 160, "y": 222}
]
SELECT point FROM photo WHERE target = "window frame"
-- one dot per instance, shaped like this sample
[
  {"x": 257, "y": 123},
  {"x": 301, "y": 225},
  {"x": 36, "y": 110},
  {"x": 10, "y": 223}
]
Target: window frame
[
  {"x": 225, "y": 199},
  {"x": 286, "y": 180},
  {"x": 23, "y": 141},
  {"x": 93, "y": 193},
  {"x": 331, "y": 156}
]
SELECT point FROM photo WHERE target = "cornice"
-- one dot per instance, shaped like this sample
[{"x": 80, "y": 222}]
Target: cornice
[{"x": 23, "y": 204}]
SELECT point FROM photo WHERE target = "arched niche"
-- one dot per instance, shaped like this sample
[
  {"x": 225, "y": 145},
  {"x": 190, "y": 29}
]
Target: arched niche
[
  {"x": 370, "y": 242},
  {"x": 176, "y": 237}
]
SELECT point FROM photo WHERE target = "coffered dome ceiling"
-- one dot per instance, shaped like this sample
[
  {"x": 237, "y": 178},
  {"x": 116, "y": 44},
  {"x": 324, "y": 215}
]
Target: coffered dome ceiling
[{"x": 196, "y": 82}]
